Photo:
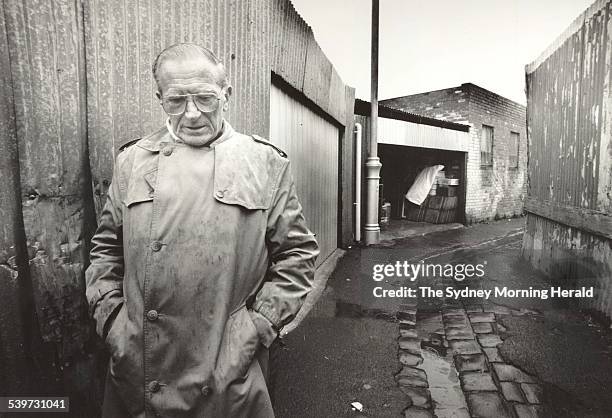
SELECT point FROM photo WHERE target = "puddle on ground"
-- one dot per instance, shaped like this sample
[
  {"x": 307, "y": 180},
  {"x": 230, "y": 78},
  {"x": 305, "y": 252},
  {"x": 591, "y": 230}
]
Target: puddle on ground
[
  {"x": 444, "y": 385},
  {"x": 442, "y": 377}
]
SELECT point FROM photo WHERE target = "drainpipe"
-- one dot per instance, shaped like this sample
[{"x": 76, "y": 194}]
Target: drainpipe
[
  {"x": 358, "y": 133},
  {"x": 373, "y": 165}
]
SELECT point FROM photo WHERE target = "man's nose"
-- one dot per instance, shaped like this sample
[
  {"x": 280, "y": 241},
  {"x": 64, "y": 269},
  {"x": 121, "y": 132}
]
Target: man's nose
[{"x": 191, "y": 110}]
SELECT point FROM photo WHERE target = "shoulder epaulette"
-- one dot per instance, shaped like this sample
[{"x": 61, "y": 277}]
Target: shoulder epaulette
[
  {"x": 128, "y": 144},
  {"x": 261, "y": 140}
]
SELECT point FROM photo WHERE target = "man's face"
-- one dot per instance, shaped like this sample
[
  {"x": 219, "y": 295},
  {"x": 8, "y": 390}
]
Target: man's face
[{"x": 193, "y": 75}]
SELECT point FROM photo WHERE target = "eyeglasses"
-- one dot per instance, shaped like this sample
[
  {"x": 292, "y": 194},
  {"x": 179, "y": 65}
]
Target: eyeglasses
[{"x": 176, "y": 105}]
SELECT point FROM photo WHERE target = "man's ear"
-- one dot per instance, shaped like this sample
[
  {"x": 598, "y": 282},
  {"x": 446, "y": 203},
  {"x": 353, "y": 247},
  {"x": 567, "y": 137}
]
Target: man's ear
[{"x": 228, "y": 93}]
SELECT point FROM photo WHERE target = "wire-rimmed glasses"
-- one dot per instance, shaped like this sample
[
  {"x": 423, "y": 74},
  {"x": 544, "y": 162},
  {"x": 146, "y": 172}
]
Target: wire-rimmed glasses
[{"x": 175, "y": 105}]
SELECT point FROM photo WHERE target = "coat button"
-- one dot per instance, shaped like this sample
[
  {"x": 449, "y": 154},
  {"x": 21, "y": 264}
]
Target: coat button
[
  {"x": 156, "y": 246},
  {"x": 206, "y": 390},
  {"x": 220, "y": 194},
  {"x": 154, "y": 386},
  {"x": 167, "y": 151},
  {"x": 152, "y": 315}
]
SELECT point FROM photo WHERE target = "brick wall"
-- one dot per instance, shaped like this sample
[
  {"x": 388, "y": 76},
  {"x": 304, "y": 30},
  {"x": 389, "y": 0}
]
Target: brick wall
[{"x": 496, "y": 191}]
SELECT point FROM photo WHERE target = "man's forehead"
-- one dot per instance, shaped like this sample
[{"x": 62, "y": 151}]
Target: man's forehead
[
  {"x": 190, "y": 64},
  {"x": 186, "y": 74}
]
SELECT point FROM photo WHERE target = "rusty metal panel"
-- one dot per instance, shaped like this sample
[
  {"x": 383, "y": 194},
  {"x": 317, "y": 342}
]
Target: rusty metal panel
[
  {"x": 45, "y": 49},
  {"x": 9, "y": 163},
  {"x": 312, "y": 144},
  {"x": 123, "y": 38},
  {"x": 43, "y": 45},
  {"x": 14, "y": 345},
  {"x": 570, "y": 155},
  {"x": 567, "y": 99},
  {"x": 553, "y": 157}
]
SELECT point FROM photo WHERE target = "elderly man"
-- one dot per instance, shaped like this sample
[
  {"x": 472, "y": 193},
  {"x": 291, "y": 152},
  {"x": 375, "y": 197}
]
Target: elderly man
[{"x": 201, "y": 255}]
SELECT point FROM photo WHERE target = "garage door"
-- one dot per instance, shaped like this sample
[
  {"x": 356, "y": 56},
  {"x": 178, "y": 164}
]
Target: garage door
[{"x": 311, "y": 143}]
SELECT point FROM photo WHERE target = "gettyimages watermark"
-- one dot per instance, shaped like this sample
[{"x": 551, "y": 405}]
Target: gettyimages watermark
[
  {"x": 412, "y": 271},
  {"x": 574, "y": 276}
]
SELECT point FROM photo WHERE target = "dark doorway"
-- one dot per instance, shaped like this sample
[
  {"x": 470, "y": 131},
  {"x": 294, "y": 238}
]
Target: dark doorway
[{"x": 401, "y": 165}]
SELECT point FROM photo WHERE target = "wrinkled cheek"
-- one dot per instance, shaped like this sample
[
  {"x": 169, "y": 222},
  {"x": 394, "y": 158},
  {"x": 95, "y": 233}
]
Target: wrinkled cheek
[{"x": 215, "y": 122}]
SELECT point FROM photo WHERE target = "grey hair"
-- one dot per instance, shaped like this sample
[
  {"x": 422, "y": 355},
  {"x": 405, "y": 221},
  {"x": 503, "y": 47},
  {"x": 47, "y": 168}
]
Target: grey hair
[{"x": 185, "y": 50}]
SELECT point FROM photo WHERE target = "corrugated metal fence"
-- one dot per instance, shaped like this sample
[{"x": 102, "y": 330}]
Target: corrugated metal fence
[
  {"x": 569, "y": 120},
  {"x": 566, "y": 120},
  {"x": 313, "y": 147},
  {"x": 76, "y": 80}
]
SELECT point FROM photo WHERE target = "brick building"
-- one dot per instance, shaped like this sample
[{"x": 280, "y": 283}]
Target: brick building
[
  {"x": 408, "y": 143},
  {"x": 497, "y": 152}
]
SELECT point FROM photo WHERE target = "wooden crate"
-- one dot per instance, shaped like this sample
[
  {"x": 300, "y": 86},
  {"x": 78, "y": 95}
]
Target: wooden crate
[
  {"x": 441, "y": 209},
  {"x": 434, "y": 209}
]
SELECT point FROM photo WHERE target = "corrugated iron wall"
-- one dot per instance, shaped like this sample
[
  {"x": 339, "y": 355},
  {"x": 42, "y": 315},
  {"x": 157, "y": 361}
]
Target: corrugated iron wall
[
  {"x": 289, "y": 44},
  {"x": 299, "y": 62},
  {"x": 14, "y": 327},
  {"x": 565, "y": 118},
  {"x": 569, "y": 119},
  {"x": 298, "y": 59},
  {"x": 312, "y": 144},
  {"x": 46, "y": 70},
  {"x": 76, "y": 77}
]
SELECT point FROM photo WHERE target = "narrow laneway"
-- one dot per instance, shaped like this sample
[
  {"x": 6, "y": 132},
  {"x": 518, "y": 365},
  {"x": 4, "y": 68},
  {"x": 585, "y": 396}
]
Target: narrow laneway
[{"x": 446, "y": 356}]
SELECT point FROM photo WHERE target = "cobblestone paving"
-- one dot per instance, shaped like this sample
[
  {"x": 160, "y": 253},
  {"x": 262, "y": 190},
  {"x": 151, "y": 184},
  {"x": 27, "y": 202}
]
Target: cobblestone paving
[{"x": 451, "y": 366}]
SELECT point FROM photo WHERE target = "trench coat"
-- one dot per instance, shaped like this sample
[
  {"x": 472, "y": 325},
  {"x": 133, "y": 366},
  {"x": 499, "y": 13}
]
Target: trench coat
[{"x": 200, "y": 257}]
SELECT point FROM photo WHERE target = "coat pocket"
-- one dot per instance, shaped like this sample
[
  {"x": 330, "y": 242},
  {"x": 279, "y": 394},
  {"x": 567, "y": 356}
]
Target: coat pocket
[
  {"x": 238, "y": 347},
  {"x": 116, "y": 333},
  {"x": 125, "y": 365}
]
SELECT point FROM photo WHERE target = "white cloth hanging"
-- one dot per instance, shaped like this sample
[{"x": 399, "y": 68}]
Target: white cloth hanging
[{"x": 422, "y": 184}]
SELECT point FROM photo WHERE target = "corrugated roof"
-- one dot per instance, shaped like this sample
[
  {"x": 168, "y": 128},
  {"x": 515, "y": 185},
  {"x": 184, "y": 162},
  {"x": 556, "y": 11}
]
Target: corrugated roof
[{"x": 363, "y": 108}]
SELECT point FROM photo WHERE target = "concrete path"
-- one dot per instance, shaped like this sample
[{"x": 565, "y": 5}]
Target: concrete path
[
  {"x": 426, "y": 356},
  {"x": 401, "y": 228}
]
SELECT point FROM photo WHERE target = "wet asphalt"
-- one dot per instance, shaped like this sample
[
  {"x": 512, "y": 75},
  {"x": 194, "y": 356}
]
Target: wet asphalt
[{"x": 346, "y": 350}]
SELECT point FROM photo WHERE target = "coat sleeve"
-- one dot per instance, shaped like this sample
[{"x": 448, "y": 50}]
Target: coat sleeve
[
  {"x": 293, "y": 251},
  {"x": 104, "y": 276}
]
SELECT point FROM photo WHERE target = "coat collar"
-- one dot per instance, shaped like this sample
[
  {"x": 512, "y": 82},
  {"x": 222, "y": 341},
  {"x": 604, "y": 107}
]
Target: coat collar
[{"x": 157, "y": 140}]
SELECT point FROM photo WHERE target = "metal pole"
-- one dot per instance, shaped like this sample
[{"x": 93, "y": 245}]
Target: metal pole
[
  {"x": 358, "y": 131},
  {"x": 373, "y": 165}
]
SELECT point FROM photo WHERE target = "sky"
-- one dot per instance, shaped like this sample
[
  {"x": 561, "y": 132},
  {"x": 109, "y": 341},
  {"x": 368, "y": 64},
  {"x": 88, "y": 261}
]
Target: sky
[{"x": 436, "y": 44}]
